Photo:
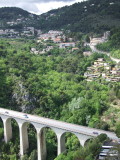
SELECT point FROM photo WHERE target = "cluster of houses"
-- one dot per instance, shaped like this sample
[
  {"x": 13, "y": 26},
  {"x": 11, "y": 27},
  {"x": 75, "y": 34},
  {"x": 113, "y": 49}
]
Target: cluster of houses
[
  {"x": 12, "y": 33},
  {"x": 15, "y": 22},
  {"x": 9, "y": 33},
  {"x": 16, "y": 33},
  {"x": 47, "y": 49},
  {"x": 20, "y": 20},
  {"x": 104, "y": 38},
  {"x": 101, "y": 69},
  {"x": 57, "y": 37}
]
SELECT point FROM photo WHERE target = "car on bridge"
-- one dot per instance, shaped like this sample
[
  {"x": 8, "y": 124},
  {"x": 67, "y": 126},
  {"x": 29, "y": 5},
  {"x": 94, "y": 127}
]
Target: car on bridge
[
  {"x": 6, "y": 112},
  {"x": 25, "y": 116},
  {"x": 95, "y": 133}
]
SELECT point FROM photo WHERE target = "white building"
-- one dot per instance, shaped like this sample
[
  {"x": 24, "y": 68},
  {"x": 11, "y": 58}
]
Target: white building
[
  {"x": 55, "y": 32},
  {"x": 65, "y": 45}
]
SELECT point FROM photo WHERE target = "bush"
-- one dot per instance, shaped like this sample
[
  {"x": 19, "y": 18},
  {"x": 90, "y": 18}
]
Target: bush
[
  {"x": 117, "y": 131},
  {"x": 1, "y": 133},
  {"x": 25, "y": 157},
  {"x": 102, "y": 137},
  {"x": 33, "y": 155}
]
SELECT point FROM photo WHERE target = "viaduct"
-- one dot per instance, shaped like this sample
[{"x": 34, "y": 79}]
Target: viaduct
[{"x": 60, "y": 128}]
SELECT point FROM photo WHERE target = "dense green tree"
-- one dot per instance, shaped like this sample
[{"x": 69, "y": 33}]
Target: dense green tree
[{"x": 54, "y": 87}]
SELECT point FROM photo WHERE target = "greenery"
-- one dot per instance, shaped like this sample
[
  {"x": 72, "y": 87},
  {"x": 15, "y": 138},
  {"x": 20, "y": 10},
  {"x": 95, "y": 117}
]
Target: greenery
[
  {"x": 53, "y": 85},
  {"x": 118, "y": 130},
  {"x": 89, "y": 152},
  {"x": 88, "y": 16}
]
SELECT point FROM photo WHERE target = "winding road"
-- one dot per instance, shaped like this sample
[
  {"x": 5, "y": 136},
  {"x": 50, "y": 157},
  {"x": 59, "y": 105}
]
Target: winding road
[{"x": 94, "y": 49}]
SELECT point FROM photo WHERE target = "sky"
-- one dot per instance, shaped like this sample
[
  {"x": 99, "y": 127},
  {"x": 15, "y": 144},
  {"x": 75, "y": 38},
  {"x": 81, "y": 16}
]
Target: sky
[{"x": 37, "y": 6}]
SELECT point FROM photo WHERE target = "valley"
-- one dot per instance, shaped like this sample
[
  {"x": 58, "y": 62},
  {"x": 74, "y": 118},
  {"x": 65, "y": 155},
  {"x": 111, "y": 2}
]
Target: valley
[{"x": 61, "y": 66}]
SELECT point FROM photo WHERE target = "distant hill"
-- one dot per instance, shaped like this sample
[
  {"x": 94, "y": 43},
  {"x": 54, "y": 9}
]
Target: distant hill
[
  {"x": 92, "y": 15},
  {"x": 16, "y": 18},
  {"x": 12, "y": 13},
  {"x": 89, "y": 16}
]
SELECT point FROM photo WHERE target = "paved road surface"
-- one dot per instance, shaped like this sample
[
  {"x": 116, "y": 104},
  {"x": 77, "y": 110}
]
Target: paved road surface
[
  {"x": 94, "y": 49},
  {"x": 57, "y": 124}
]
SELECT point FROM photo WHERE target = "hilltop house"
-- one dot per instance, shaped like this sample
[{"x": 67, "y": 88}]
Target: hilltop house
[
  {"x": 53, "y": 35},
  {"x": 95, "y": 41}
]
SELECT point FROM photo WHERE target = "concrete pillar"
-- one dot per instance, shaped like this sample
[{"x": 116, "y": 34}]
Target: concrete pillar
[
  {"x": 82, "y": 142},
  {"x": 7, "y": 129},
  {"x": 24, "y": 144},
  {"x": 61, "y": 143},
  {"x": 41, "y": 145}
]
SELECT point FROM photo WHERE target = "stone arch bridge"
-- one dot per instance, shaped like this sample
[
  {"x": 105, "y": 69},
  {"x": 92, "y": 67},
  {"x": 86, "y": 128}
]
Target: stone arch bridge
[{"x": 60, "y": 128}]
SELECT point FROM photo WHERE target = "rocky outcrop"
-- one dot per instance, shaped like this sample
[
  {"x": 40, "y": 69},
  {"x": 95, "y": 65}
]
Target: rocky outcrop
[{"x": 21, "y": 96}]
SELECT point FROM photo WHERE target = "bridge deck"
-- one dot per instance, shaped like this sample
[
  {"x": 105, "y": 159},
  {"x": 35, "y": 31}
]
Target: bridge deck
[{"x": 56, "y": 124}]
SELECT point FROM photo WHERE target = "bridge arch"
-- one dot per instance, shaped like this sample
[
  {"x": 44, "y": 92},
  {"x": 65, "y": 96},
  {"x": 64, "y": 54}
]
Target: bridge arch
[
  {"x": 7, "y": 124},
  {"x": 60, "y": 128},
  {"x": 1, "y": 129},
  {"x": 88, "y": 140},
  {"x": 28, "y": 137},
  {"x": 48, "y": 138},
  {"x": 11, "y": 132},
  {"x": 68, "y": 138}
]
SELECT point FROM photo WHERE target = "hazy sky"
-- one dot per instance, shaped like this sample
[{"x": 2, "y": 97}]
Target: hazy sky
[{"x": 37, "y": 6}]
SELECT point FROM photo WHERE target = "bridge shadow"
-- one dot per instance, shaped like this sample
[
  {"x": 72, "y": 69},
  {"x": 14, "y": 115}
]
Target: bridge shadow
[
  {"x": 15, "y": 133},
  {"x": 89, "y": 141},
  {"x": 1, "y": 131},
  {"x": 51, "y": 143}
]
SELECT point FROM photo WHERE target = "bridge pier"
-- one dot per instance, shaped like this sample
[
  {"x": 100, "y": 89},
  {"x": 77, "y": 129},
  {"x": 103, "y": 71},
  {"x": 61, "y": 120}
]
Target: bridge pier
[
  {"x": 41, "y": 145},
  {"x": 7, "y": 128},
  {"x": 24, "y": 144},
  {"x": 60, "y": 140},
  {"x": 61, "y": 143},
  {"x": 41, "y": 142}
]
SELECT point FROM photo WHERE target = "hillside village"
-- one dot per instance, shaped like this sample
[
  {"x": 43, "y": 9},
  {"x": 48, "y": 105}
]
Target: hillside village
[
  {"x": 100, "y": 69},
  {"x": 57, "y": 39},
  {"x": 60, "y": 40},
  {"x": 22, "y": 33},
  {"x": 103, "y": 70}
]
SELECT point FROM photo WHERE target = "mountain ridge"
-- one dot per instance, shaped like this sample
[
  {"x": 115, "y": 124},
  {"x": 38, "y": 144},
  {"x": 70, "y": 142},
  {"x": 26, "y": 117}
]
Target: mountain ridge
[{"x": 88, "y": 16}]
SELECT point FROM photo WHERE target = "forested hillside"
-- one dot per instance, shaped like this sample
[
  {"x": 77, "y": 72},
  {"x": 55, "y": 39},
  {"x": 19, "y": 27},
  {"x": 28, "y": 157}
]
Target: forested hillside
[
  {"x": 89, "y": 16},
  {"x": 16, "y": 18},
  {"x": 51, "y": 86},
  {"x": 11, "y": 13}
]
